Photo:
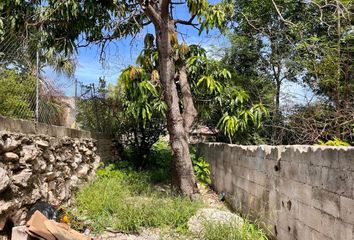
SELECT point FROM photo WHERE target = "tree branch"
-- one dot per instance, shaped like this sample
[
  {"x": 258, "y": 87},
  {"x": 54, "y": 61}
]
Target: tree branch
[
  {"x": 151, "y": 13},
  {"x": 189, "y": 22},
  {"x": 165, "y": 8},
  {"x": 249, "y": 23},
  {"x": 280, "y": 15}
]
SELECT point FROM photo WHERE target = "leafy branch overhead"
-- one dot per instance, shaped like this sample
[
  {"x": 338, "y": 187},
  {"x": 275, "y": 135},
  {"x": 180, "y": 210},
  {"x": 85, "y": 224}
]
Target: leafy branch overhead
[{"x": 103, "y": 21}]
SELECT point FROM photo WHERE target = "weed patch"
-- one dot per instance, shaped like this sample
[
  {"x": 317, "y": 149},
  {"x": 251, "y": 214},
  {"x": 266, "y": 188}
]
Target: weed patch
[
  {"x": 232, "y": 231},
  {"x": 126, "y": 201}
]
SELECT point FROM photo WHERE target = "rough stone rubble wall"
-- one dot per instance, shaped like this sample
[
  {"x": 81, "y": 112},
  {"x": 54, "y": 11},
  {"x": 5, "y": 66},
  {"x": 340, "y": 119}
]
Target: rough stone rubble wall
[
  {"x": 298, "y": 192},
  {"x": 41, "y": 162}
]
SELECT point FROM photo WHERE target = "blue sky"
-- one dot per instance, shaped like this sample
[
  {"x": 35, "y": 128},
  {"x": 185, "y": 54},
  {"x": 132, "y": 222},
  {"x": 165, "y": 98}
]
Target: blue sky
[{"x": 123, "y": 52}]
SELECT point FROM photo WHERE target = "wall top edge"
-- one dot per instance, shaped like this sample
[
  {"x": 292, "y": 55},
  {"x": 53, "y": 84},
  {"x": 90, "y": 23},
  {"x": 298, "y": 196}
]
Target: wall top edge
[
  {"x": 298, "y": 147},
  {"x": 31, "y": 127}
]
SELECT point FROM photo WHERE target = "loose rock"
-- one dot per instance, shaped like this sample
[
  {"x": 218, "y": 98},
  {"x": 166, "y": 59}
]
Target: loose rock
[
  {"x": 10, "y": 144},
  {"x": 10, "y": 156},
  {"x": 212, "y": 215},
  {"x": 22, "y": 178},
  {"x": 29, "y": 152},
  {"x": 4, "y": 180},
  {"x": 42, "y": 144},
  {"x": 82, "y": 170}
]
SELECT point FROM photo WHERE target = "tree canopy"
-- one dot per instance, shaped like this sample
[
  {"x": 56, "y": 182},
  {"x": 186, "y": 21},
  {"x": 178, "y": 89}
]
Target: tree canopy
[{"x": 239, "y": 93}]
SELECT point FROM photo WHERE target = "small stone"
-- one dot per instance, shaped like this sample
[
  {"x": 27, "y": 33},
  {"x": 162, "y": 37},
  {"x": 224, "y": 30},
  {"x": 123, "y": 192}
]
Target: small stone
[
  {"x": 39, "y": 164},
  {"x": 42, "y": 144},
  {"x": 74, "y": 165},
  {"x": 29, "y": 152},
  {"x": 10, "y": 144},
  {"x": 78, "y": 158},
  {"x": 35, "y": 195},
  {"x": 67, "y": 189},
  {"x": 82, "y": 170},
  {"x": 26, "y": 141},
  {"x": 4, "y": 180},
  {"x": 22, "y": 178},
  {"x": 4, "y": 206},
  {"x": 96, "y": 162},
  {"x": 44, "y": 190},
  {"x": 49, "y": 168},
  {"x": 67, "y": 171},
  {"x": 52, "y": 199},
  {"x": 74, "y": 181},
  {"x": 10, "y": 156},
  {"x": 52, "y": 185},
  {"x": 87, "y": 232},
  {"x": 49, "y": 176},
  {"x": 83, "y": 149},
  {"x": 58, "y": 158},
  {"x": 1, "y": 145},
  {"x": 88, "y": 153},
  {"x": 62, "y": 192},
  {"x": 49, "y": 156}
]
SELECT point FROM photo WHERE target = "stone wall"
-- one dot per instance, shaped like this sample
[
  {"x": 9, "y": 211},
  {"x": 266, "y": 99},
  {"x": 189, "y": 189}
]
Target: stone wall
[
  {"x": 298, "y": 192},
  {"x": 43, "y": 162}
]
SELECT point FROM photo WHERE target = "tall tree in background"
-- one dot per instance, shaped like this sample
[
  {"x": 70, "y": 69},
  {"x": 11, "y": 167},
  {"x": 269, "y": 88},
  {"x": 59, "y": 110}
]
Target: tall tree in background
[
  {"x": 65, "y": 22},
  {"x": 259, "y": 24},
  {"x": 308, "y": 42},
  {"x": 324, "y": 48}
]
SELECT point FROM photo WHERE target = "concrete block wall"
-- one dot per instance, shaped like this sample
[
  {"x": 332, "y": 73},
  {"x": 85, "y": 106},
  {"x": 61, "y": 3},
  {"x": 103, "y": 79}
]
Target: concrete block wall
[{"x": 297, "y": 192}]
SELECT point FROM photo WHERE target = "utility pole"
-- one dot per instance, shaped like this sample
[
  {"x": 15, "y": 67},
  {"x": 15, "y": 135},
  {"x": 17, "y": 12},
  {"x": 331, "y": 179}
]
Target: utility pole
[
  {"x": 37, "y": 77},
  {"x": 75, "y": 101},
  {"x": 37, "y": 85}
]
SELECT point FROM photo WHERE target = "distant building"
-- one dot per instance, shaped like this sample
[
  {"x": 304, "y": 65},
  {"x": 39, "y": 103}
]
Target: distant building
[{"x": 202, "y": 134}]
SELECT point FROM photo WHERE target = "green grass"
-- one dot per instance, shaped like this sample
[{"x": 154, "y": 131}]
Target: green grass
[
  {"x": 125, "y": 200},
  {"x": 231, "y": 231}
]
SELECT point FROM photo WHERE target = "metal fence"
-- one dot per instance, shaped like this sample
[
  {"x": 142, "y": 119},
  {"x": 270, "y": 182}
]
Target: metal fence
[{"x": 26, "y": 91}]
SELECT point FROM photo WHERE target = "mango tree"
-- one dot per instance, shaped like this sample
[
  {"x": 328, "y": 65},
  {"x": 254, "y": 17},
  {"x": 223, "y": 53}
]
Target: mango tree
[{"x": 69, "y": 24}]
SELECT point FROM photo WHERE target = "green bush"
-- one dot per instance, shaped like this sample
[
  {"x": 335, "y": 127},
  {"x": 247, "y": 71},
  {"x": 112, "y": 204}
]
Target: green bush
[
  {"x": 335, "y": 142},
  {"x": 202, "y": 170},
  {"x": 16, "y": 94},
  {"x": 159, "y": 162},
  {"x": 201, "y": 167},
  {"x": 125, "y": 200}
]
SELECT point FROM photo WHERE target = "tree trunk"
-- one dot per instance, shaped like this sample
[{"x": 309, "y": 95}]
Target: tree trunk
[
  {"x": 189, "y": 111},
  {"x": 276, "y": 138},
  {"x": 183, "y": 179}
]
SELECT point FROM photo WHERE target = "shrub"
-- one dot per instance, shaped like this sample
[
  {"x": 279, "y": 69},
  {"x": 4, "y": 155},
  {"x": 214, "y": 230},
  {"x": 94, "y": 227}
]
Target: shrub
[
  {"x": 201, "y": 170},
  {"x": 201, "y": 167},
  {"x": 334, "y": 142}
]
